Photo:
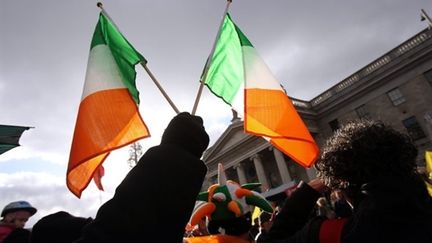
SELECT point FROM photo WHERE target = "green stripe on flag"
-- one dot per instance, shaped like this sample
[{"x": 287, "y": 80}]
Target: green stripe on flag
[
  {"x": 123, "y": 52},
  {"x": 226, "y": 73}
]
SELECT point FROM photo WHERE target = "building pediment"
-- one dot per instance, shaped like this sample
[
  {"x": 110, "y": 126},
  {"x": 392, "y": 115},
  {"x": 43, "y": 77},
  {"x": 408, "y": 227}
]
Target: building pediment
[
  {"x": 234, "y": 134},
  {"x": 233, "y": 145}
]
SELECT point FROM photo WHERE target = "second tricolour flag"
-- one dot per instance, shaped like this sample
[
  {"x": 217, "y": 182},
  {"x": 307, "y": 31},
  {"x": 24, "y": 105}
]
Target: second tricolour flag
[
  {"x": 108, "y": 116},
  {"x": 237, "y": 74}
]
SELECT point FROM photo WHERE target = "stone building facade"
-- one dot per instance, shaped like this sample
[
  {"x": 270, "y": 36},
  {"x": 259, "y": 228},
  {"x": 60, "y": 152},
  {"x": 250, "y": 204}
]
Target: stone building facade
[{"x": 395, "y": 88}]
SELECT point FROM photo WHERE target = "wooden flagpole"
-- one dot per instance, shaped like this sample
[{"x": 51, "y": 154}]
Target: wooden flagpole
[
  {"x": 144, "y": 65},
  {"x": 206, "y": 68}
]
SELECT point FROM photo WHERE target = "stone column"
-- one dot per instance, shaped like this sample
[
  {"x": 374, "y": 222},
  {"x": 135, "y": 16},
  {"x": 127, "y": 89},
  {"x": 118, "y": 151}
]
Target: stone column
[
  {"x": 260, "y": 172},
  {"x": 241, "y": 173},
  {"x": 282, "y": 166}
]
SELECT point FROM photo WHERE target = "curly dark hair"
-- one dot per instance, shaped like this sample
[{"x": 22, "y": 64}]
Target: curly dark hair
[{"x": 363, "y": 151}]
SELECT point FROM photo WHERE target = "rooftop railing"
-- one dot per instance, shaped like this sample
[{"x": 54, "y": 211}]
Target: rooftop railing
[{"x": 375, "y": 65}]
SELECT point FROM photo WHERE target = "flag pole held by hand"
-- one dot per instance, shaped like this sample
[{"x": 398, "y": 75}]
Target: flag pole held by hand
[{"x": 143, "y": 64}]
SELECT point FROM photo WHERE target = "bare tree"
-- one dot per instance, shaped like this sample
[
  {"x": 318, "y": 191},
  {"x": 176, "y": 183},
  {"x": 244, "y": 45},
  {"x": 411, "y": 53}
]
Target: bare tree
[{"x": 135, "y": 152}]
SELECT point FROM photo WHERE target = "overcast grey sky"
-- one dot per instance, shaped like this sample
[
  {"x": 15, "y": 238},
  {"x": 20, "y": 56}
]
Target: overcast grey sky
[{"x": 44, "y": 46}]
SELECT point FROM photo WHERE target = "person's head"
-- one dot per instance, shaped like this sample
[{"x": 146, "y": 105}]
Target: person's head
[
  {"x": 322, "y": 202},
  {"x": 365, "y": 151},
  {"x": 18, "y": 213},
  {"x": 59, "y": 227}
]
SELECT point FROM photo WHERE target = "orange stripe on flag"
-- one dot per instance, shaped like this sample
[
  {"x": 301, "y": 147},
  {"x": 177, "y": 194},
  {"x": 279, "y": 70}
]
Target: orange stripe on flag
[
  {"x": 107, "y": 120},
  {"x": 270, "y": 113}
]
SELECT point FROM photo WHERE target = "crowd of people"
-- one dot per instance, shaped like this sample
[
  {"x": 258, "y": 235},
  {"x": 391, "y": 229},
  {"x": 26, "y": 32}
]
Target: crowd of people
[{"x": 367, "y": 189}]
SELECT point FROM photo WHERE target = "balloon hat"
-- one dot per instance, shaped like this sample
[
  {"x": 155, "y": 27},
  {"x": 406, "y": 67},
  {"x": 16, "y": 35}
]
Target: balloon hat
[{"x": 227, "y": 199}]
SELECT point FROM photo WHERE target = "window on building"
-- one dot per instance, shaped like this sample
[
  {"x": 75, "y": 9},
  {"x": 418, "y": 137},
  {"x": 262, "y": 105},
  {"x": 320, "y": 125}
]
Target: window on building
[
  {"x": 334, "y": 124},
  {"x": 362, "y": 112},
  {"x": 396, "y": 96},
  {"x": 413, "y": 127},
  {"x": 428, "y": 76}
]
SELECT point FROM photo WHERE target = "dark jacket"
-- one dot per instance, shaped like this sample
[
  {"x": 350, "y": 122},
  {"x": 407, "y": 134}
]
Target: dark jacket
[
  {"x": 390, "y": 210},
  {"x": 155, "y": 200},
  {"x": 18, "y": 236}
]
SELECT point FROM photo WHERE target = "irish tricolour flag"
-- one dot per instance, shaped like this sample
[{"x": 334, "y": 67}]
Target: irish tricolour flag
[
  {"x": 108, "y": 116},
  {"x": 239, "y": 76}
]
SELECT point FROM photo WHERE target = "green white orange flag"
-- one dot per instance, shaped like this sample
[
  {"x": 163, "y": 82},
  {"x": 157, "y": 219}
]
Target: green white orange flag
[
  {"x": 240, "y": 77},
  {"x": 108, "y": 115}
]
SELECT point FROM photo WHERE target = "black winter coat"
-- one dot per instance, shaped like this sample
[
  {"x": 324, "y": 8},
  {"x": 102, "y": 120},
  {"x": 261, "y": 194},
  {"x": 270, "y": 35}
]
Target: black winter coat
[
  {"x": 155, "y": 200},
  {"x": 391, "y": 210}
]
